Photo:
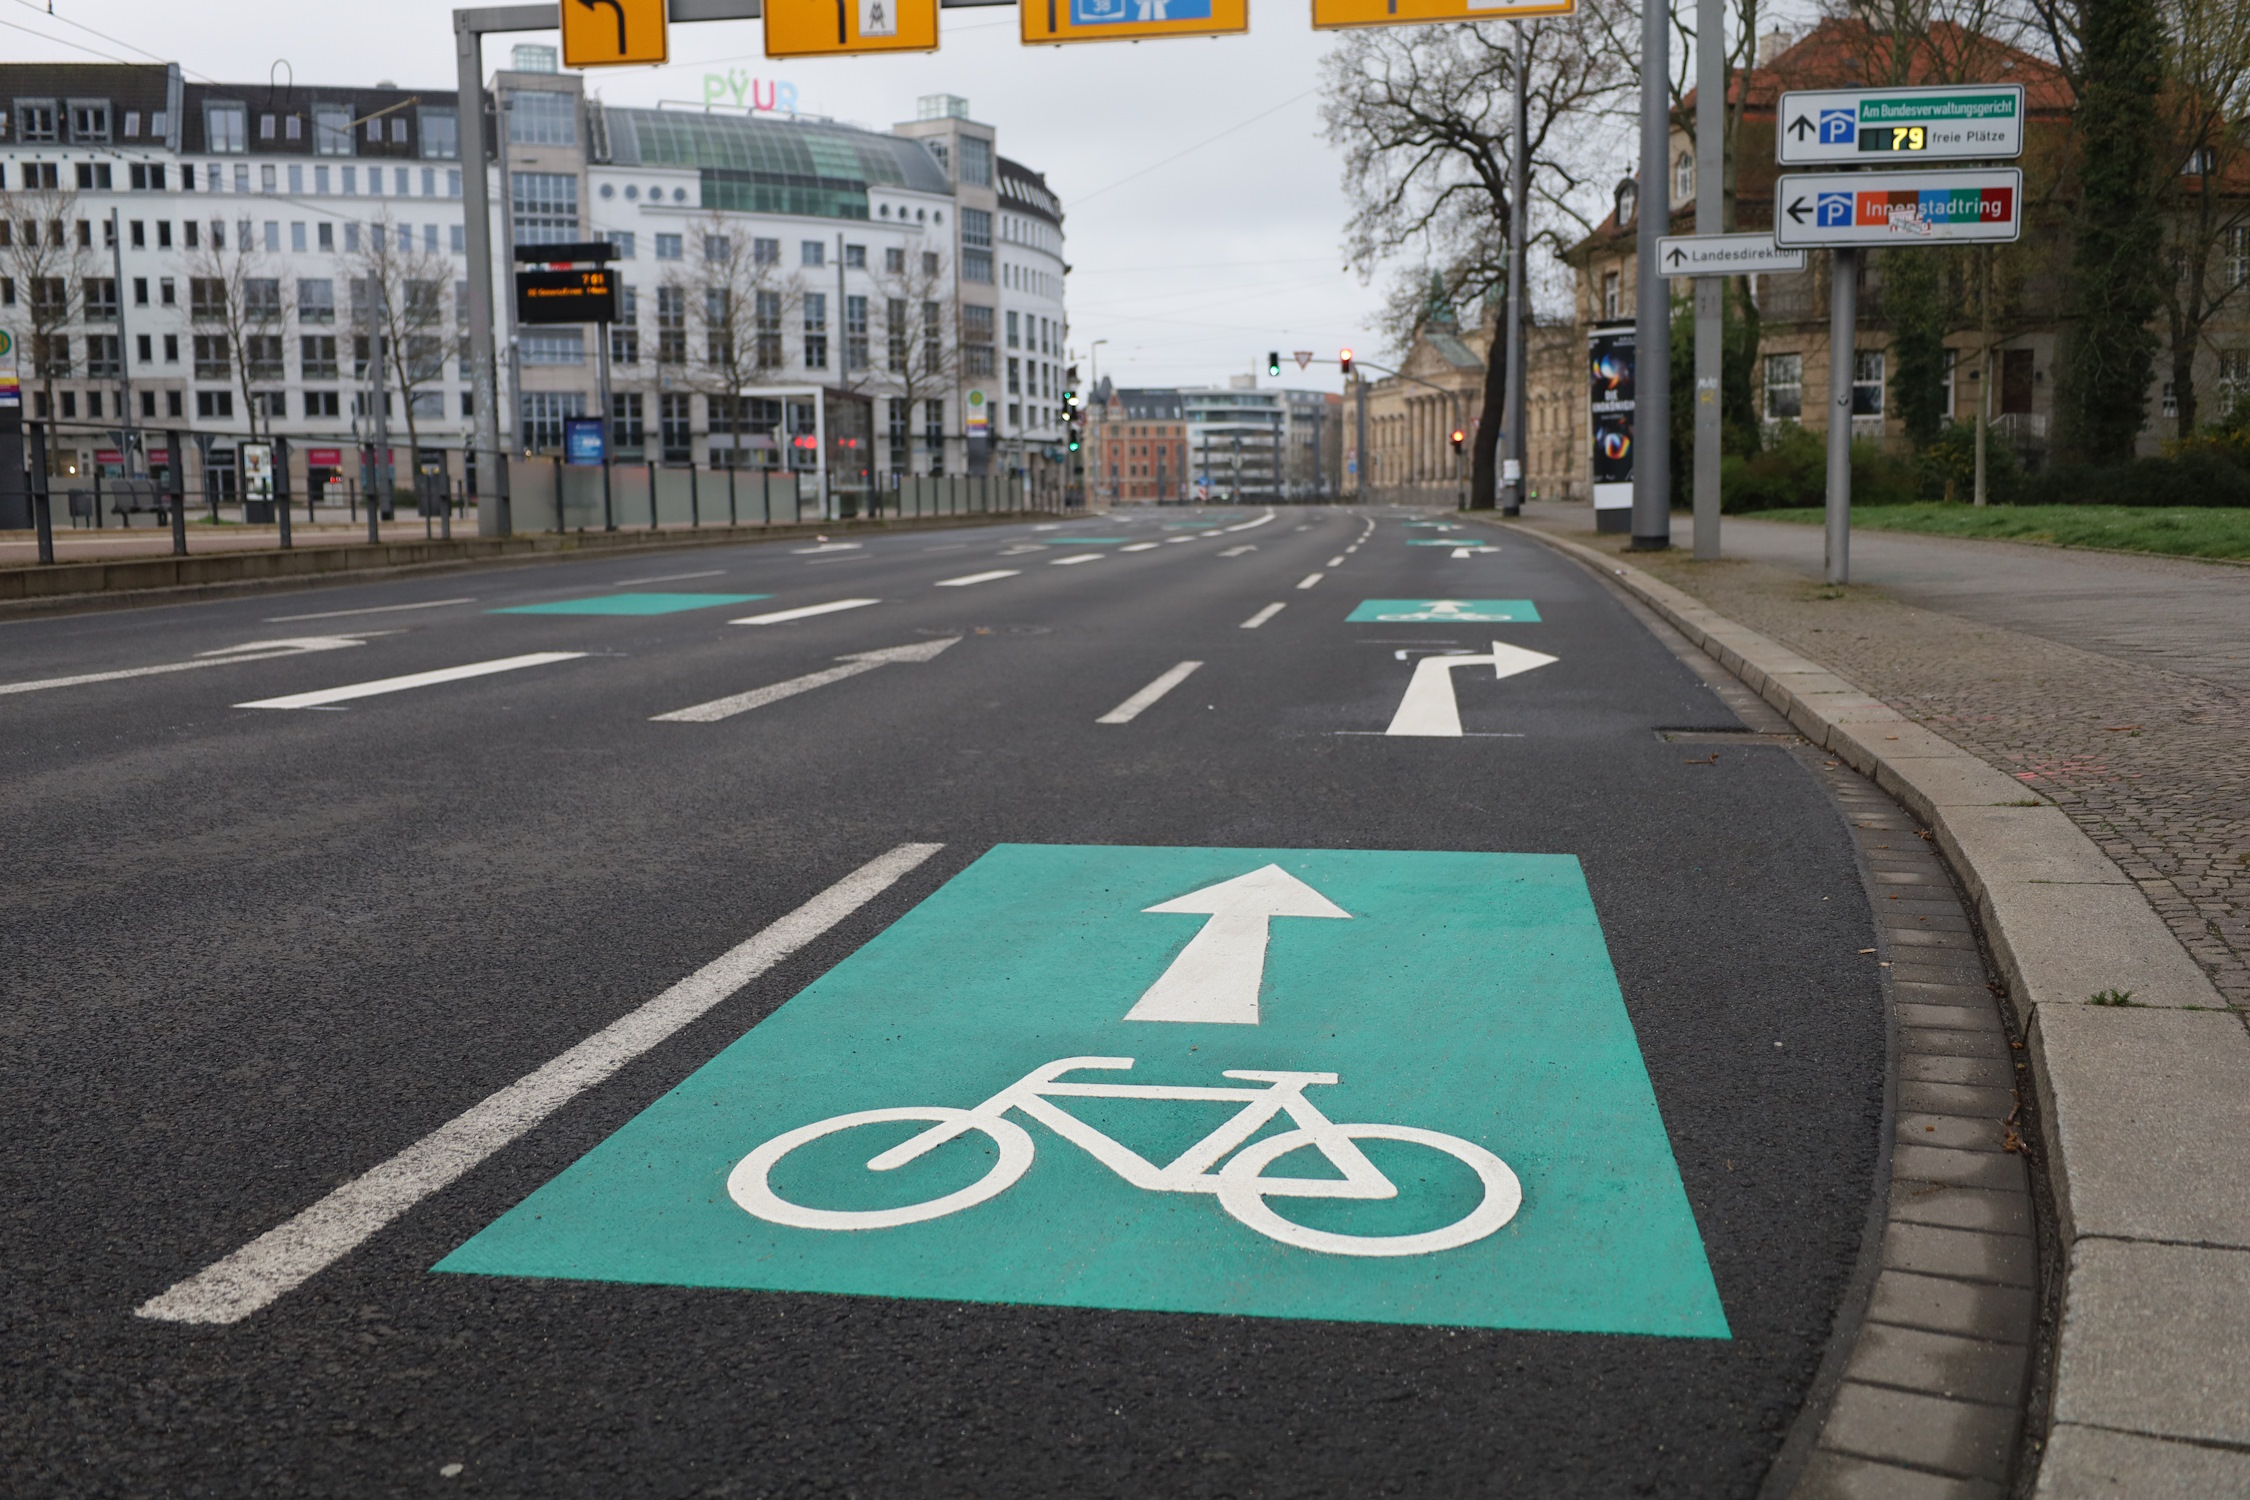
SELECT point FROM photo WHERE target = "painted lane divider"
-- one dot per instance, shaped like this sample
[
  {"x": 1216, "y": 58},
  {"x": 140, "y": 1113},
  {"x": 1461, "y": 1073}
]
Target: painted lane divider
[
  {"x": 285, "y": 1258},
  {"x": 626, "y": 583},
  {"x": 1195, "y": 537},
  {"x": 804, "y": 612},
  {"x": 1262, "y": 616},
  {"x": 968, "y": 578},
  {"x": 1141, "y": 547},
  {"x": 225, "y": 656},
  {"x": 1430, "y": 709},
  {"x": 1477, "y": 551},
  {"x": 326, "y": 697},
  {"x": 376, "y": 609},
  {"x": 1238, "y": 551},
  {"x": 1131, "y": 708},
  {"x": 826, "y": 547},
  {"x": 1083, "y": 557},
  {"x": 1216, "y": 978},
  {"x": 1336, "y": 562},
  {"x": 1020, "y": 549},
  {"x": 1246, "y": 525},
  {"x": 1310, "y": 579},
  {"x": 854, "y": 664}
]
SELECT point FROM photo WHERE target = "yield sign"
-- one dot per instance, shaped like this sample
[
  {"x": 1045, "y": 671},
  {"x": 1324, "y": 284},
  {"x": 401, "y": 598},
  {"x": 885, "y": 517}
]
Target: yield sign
[
  {"x": 1217, "y": 975},
  {"x": 1429, "y": 709},
  {"x": 1304, "y": 359}
]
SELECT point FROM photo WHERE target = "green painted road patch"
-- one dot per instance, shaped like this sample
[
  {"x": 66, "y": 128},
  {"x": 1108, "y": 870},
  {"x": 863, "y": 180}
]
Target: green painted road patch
[
  {"x": 629, "y": 604},
  {"x": 1367, "y": 1086},
  {"x": 1444, "y": 612}
]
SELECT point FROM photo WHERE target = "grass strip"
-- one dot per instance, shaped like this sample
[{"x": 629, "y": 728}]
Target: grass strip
[{"x": 2183, "y": 531}]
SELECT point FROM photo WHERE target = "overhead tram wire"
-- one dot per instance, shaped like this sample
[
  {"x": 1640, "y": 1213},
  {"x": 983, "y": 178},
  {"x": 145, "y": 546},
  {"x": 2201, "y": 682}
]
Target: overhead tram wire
[
  {"x": 49, "y": 12},
  {"x": 1191, "y": 150}
]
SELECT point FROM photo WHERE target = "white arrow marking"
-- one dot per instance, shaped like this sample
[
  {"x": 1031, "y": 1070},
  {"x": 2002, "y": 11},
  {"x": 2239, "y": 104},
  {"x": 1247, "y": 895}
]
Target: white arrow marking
[
  {"x": 225, "y": 656},
  {"x": 1429, "y": 707},
  {"x": 1216, "y": 978},
  {"x": 856, "y": 663},
  {"x": 1473, "y": 551}
]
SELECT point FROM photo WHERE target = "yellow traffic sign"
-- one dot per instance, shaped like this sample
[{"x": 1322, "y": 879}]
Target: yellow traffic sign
[
  {"x": 1331, "y": 14},
  {"x": 1129, "y": 20},
  {"x": 606, "y": 33},
  {"x": 826, "y": 28}
]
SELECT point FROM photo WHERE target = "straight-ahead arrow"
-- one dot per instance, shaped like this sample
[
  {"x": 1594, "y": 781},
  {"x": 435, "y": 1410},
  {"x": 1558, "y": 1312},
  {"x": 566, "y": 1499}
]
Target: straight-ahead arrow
[
  {"x": 1677, "y": 255},
  {"x": 853, "y": 665},
  {"x": 1216, "y": 978},
  {"x": 1800, "y": 127}
]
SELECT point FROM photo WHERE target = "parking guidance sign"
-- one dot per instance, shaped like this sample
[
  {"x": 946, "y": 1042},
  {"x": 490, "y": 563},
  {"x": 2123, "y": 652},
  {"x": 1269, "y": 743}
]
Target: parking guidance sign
[
  {"x": 1896, "y": 127},
  {"x": 1897, "y": 208},
  {"x": 1341, "y": 1084}
]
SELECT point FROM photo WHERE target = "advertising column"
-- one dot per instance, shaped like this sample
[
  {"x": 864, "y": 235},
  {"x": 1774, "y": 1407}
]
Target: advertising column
[{"x": 1610, "y": 421}]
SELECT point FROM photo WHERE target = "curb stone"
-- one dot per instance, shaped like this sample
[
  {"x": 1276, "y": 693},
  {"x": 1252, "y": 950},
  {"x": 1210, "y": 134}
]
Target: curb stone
[{"x": 2145, "y": 1104}]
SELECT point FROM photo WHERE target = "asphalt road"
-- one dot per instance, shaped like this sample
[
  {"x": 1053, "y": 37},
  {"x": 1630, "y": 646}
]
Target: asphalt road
[{"x": 249, "y": 954}]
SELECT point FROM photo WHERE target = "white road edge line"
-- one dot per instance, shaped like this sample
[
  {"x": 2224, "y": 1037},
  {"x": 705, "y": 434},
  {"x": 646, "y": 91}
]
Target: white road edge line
[
  {"x": 378, "y": 609},
  {"x": 803, "y": 612},
  {"x": 284, "y": 1258},
  {"x": 966, "y": 579},
  {"x": 381, "y": 685},
  {"x": 1064, "y": 562},
  {"x": 1131, "y": 708},
  {"x": 1263, "y": 615},
  {"x": 1310, "y": 579}
]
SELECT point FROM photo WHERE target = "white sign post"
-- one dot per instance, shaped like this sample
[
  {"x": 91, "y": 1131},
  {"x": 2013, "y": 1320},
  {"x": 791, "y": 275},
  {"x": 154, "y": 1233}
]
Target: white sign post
[
  {"x": 1725, "y": 255},
  {"x": 1871, "y": 127}
]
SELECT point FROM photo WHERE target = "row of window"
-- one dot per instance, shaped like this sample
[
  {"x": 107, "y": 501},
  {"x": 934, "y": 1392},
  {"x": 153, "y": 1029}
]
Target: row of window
[
  {"x": 421, "y": 300},
  {"x": 55, "y": 355},
  {"x": 344, "y": 182},
  {"x": 82, "y": 119},
  {"x": 312, "y": 405},
  {"x": 786, "y": 427}
]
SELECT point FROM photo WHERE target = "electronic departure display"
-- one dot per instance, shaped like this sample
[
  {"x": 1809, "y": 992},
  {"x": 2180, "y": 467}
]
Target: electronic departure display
[{"x": 581, "y": 295}]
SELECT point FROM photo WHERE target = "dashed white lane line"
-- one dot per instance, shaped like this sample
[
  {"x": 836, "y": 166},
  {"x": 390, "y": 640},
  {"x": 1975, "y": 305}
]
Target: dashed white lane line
[
  {"x": 968, "y": 578},
  {"x": 1263, "y": 615},
  {"x": 1064, "y": 562},
  {"x": 1196, "y": 538},
  {"x": 803, "y": 612},
  {"x": 1238, "y": 551},
  {"x": 626, "y": 583},
  {"x": 374, "y": 609},
  {"x": 826, "y": 547},
  {"x": 1310, "y": 579},
  {"x": 1246, "y": 525},
  {"x": 286, "y": 1257},
  {"x": 381, "y": 685},
  {"x": 1131, "y": 708},
  {"x": 227, "y": 657},
  {"x": 1336, "y": 562},
  {"x": 1140, "y": 547},
  {"x": 862, "y": 661}
]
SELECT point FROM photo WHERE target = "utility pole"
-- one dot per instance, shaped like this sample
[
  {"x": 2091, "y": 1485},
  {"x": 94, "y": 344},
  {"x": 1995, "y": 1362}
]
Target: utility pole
[
  {"x": 493, "y": 511},
  {"x": 1519, "y": 172},
  {"x": 1710, "y": 291},
  {"x": 129, "y": 437},
  {"x": 1652, "y": 302},
  {"x": 379, "y": 407}
]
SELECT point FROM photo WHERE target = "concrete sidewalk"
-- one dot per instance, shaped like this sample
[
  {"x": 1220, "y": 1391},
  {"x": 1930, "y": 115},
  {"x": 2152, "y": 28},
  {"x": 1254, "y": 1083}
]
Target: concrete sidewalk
[{"x": 2023, "y": 671}]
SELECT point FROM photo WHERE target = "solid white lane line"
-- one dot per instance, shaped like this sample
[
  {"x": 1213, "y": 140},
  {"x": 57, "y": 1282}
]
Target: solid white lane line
[
  {"x": 1238, "y": 551},
  {"x": 853, "y": 665},
  {"x": 286, "y": 1257},
  {"x": 1245, "y": 526},
  {"x": 965, "y": 580},
  {"x": 1263, "y": 615},
  {"x": 1195, "y": 538},
  {"x": 825, "y": 547},
  {"x": 1335, "y": 562},
  {"x": 381, "y": 685},
  {"x": 803, "y": 612},
  {"x": 1064, "y": 562},
  {"x": 1310, "y": 579},
  {"x": 627, "y": 583},
  {"x": 249, "y": 651},
  {"x": 1140, "y": 547},
  {"x": 1131, "y": 708},
  {"x": 378, "y": 609}
]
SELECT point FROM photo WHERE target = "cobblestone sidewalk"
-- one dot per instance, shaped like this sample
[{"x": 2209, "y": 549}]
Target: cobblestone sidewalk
[{"x": 2154, "y": 765}]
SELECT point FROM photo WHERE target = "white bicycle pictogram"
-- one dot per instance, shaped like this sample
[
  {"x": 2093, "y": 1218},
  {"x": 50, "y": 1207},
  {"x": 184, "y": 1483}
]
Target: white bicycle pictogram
[{"x": 1240, "y": 1185}]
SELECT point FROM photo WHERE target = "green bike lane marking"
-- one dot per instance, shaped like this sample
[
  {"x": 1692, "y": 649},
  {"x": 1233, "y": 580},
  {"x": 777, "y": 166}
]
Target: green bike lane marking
[
  {"x": 629, "y": 604},
  {"x": 1444, "y": 612},
  {"x": 1454, "y": 1013}
]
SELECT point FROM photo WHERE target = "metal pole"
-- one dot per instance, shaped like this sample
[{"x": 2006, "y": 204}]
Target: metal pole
[
  {"x": 1710, "y": 291},
  {"x": 601, "y": 371},
  {"x": 493, "y": 511},
  {"x": 1843, "y": 321},
  {"x": 1359, "y": 478},
  {"x": 175, "y": 472},
  {"x": 1652, "y": 302},
  {"x": 42, "y": 516},
  {"x": 378, "y": 402},
  {"x": 281, "y": 489},
  {"x": 129, "y": 437},
  {"x": 1519, "y": 171}
]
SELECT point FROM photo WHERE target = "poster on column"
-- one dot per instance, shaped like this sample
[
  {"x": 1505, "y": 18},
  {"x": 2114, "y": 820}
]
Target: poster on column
[{"x": 1610, "y": 421}]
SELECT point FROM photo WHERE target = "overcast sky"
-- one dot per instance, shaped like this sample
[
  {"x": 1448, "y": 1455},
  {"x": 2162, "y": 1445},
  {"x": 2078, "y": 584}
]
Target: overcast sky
[{"x": 1190, "y": 269}]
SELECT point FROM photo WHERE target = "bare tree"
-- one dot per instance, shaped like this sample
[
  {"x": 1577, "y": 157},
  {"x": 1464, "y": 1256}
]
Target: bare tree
[
  {"x": 398, "y": 292},
  {"x": 42, "y": 248},
  {"x": 1424, "y": 117},
  {"x": 739, "y": 299},
  {"x": 921, "y": 357},
  {"x": 2206, "y": 217},
  {"x": 231, "y": 294}
]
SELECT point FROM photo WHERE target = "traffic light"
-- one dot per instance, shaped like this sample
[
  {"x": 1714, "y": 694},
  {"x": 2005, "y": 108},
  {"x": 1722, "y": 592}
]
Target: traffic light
[
  {"x": 1344, "y": 358},
  {"x": 1273, "y": 362},
  {"x": 1073, "y": 439},
  {"x": 1459, "y": 437}
]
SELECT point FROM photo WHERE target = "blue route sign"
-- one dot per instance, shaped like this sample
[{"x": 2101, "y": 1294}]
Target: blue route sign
[{"x": 1374, "y": 1086}]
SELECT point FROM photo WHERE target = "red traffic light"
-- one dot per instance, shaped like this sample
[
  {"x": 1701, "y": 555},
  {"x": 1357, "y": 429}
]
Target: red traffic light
[
  {"x": 1344, "y": 358},
  {"x": 1459, "y": 437}
]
